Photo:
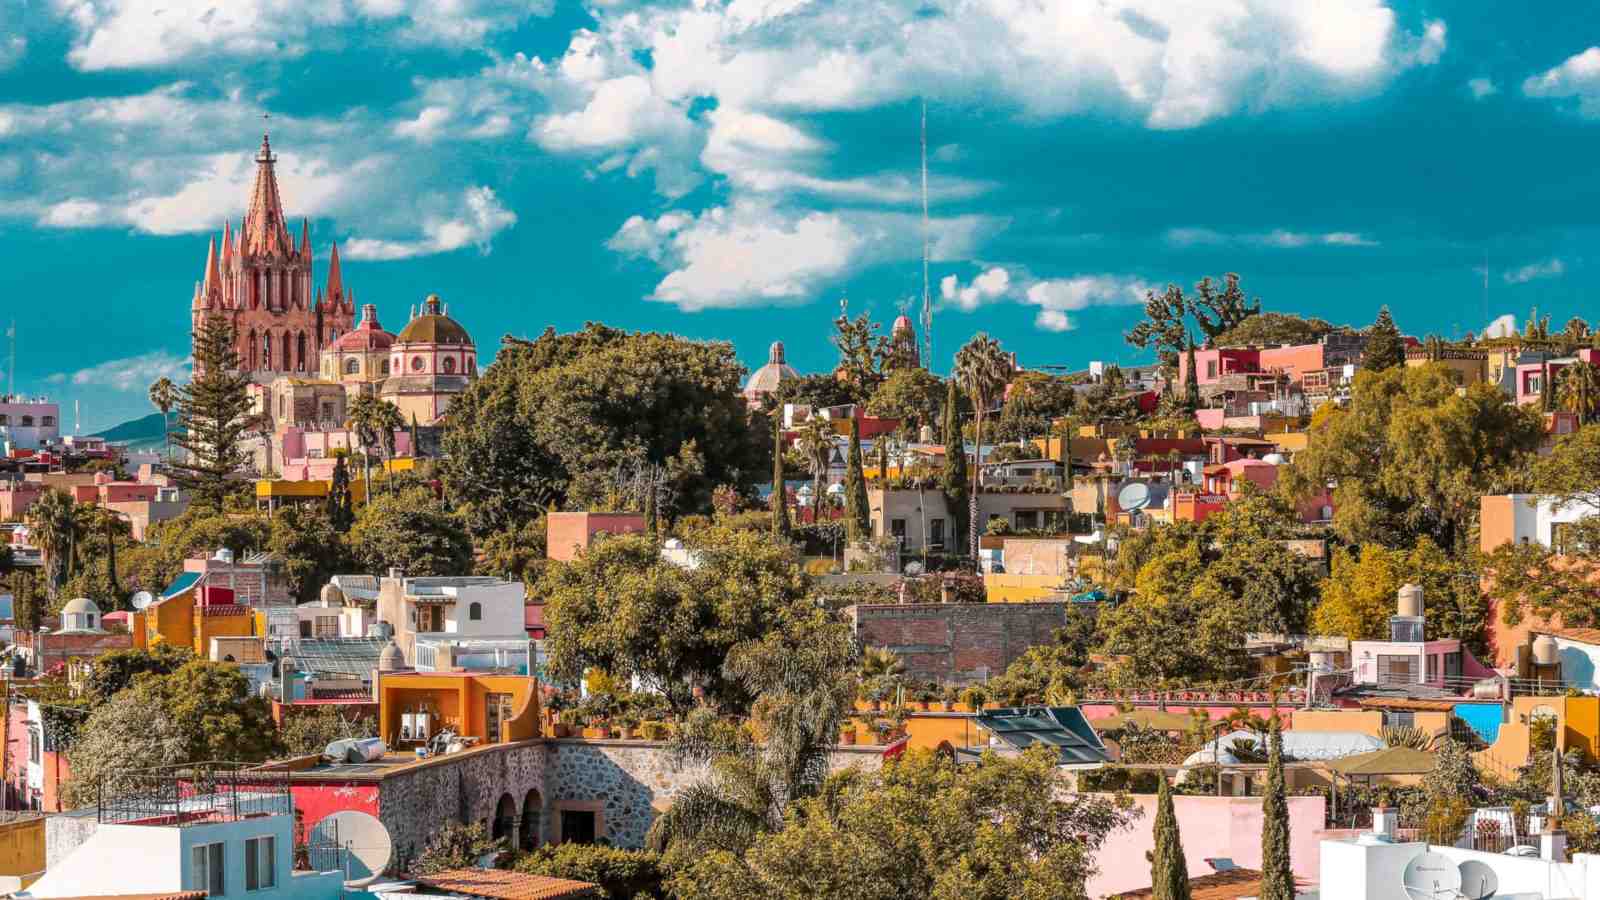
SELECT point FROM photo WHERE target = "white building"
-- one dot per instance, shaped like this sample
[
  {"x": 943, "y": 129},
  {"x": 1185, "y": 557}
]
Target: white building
[
  {"x": 1532, "y": 518},
  {"x": 452, "y": 609},
  {"x": 28, "y": 423},
  {"x": 234, "y": 843}
]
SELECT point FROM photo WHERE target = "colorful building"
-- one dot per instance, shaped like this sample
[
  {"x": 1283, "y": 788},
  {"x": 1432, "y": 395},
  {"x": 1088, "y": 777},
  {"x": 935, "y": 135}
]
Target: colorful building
[
  {"x": 430, "y": 361},
  {"x": 197, "y": 608}
]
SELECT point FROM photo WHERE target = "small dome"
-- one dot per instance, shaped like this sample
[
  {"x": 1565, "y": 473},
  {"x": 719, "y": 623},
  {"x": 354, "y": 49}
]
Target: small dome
[
  {"x": 434, "y": 327},
  {"x": 79, "y": 606},
  {"x": 392, "y": 659},
  {"x": 367, "y": 335},
  {"x": 902, "y": 324},
  {"x": 331, "y": 595},
  {"x": 766, "y": 379}
]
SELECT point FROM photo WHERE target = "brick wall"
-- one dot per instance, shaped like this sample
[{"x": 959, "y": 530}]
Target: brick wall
[{"x": 957, "y": 641}]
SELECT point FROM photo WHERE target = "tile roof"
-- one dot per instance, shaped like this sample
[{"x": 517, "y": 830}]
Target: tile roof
[
  {"x": 174, "y": 895},
  {"x": 503, "y": 884},
  {"x": 1581, "y": 635},
  {"x": 1415, "y": 703},
  {"x": 1232, "y": 884}
]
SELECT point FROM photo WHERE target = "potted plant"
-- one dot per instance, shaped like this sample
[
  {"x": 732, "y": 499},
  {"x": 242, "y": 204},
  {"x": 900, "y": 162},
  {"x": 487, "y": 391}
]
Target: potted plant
[
  {"x": 974, "y": 698},
  {"x": 949, "y": 697},
  {"x": 628, "y": 723},
  {"x": 877, "y": 692},
  {"x": 881, "y": 730},
  {"x": 927, "y": 693},
  {"x": 566, "y": 721},
  {"x": 847, "y": 732}
]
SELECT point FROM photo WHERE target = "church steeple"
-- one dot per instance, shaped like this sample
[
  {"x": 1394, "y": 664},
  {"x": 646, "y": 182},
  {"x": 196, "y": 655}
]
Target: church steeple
[
  {"x": 334, "y": 296},
  {"x": 264, "y": 230}
]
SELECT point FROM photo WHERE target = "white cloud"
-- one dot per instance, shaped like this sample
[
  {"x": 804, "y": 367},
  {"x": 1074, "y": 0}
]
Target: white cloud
[
  {"x": 12, "y": 50},
  {"x": 1283, "y": 238},
  {"x": 1578, "y": 78},
  {"x": 1482, "y": 88},
  {"x": 130, "y": 374},
  {"x": 1054, "y": 297},
  {"x": 426, "y": 127},
  {"x": 1550, "y": 268},
  {"x": 752, "y": 253},
  {"x": 1502, "y": 326},
  {"x": 475, "y": 221},
  {"x": 123, "y": 34}
]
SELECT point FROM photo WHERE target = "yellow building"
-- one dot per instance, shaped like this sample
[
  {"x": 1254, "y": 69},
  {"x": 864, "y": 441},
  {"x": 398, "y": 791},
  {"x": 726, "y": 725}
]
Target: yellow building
[
  {"x": 22, "y": 850},
  {"x": 475, "y": 705},
  {"x": 273, "y": 493},
  {"x": 182, "y": 617}
]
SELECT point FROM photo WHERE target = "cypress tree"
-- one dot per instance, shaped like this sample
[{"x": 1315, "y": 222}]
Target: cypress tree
[
  {"x": 1547, "y": 392},
  {"x": 213, "y": 415},
  {"x": 780, "y": 501},
  {"x": 1191, "y": 389},
  {"x": 954, "y": 480},
  {"x": 1169, "y": 871},
  {"x": 341, "y": 514},
  {"x": 416, "y": 449},
  {"x": 857, "y": 510},
  {"x": 1385, "y": 348},
  {"x": 1277, "y": 877}
]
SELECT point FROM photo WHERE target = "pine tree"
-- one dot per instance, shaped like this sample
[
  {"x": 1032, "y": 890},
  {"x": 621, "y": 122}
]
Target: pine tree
[
  {"x": 1169, "y": 871},
  {"x": 1191, "y": 388},
  {"x": 857, "y": 509},
  {"x": 955, "y": 460},
  {"x": 341, "y": 512},
  {"x": 1277, "y": 877},
  {"x": 1385, "y": 348},
  {"x": 780, "y": 498},
  {"x": 213, "y": 415}
]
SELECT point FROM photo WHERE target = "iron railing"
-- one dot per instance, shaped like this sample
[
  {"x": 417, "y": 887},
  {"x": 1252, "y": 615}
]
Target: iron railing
[{"x": 192, "y": 794}]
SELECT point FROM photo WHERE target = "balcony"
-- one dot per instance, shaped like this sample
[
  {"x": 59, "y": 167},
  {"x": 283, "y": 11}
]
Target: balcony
[{"x": 203, "y": 793}]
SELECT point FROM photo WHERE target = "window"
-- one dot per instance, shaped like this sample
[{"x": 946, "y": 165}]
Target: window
[
  {"x": 449, "y": 365},
  {"x": 27, "y": 421},
  {"x": 577, "y": 826},
  {"x": 1211, "y": 368},
  {"x": 1027, "y": 519},
  {"x": 936, "y": 532},
  {"x": 385, "y": 369},
  {"x": 352, "y": 366},
  {"x": 897, "y": 527},
  {"x": 5, "y": 419},
  {"x": 1399, "y": 718},
  {"x": 305, "y": 628},
  {"x": 475, "y": 611},
  {"x": 416, "y": 364},
  {"x": 472, "y": 366},
  {"x": 260, "y": 868},
  {"x": 47, "y": 421},
  {"x": 327, "y": 626},
  {"x": 206, "y": 869},
  {"x": 35, "y": 749}
]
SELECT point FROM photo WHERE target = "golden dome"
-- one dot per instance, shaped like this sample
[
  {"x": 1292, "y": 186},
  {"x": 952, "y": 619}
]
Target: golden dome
[{"x": 433, "y": 327}]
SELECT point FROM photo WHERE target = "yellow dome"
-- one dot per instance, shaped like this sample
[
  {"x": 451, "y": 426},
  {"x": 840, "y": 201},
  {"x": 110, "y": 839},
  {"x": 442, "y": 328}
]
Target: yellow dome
[{"x": 433, "y": 327}]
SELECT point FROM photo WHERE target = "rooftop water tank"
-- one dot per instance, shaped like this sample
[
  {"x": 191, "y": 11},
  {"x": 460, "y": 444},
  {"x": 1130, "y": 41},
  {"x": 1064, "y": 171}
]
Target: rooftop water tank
[
  {"x": 1411, "y": 600},
  {"x": 1545, "y": 651}
]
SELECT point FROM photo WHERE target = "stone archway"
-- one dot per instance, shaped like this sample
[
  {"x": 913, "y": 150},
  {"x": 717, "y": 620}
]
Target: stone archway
[
  {"x": 531, "y": 835},
  {"x": 505, "y": 820}
]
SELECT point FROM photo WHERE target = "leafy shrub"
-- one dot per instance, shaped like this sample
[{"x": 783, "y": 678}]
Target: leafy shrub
[{"x": 621, "y": 874}]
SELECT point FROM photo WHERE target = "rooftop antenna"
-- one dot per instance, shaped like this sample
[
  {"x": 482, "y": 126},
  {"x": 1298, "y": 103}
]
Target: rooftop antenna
[
  {"x": 76, "y": 419},
  {"x": 11, "y": 378},
  {"x": 927, "y": 306},
  {"x": 1486, "y": 288}
]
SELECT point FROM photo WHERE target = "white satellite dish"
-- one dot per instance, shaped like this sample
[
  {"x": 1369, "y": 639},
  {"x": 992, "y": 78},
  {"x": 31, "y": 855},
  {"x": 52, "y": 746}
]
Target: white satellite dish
[
  {"x": 1478, "y": 881},
  {"x": 1134, "y": 495},
  {"x": 143, "y": 599},
  {"x": 366, "y": 840},
  {"x": 1431, "y": 876}
]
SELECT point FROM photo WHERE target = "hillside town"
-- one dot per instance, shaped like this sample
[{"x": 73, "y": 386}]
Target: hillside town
[{"x": 1295, "y": 610}]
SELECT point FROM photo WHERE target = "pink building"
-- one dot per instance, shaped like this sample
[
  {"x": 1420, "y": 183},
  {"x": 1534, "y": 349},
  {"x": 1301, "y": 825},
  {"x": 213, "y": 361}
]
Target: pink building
[
  {"x": 306, "y": 454},
  {"x": 1214, "y": 364},
  {"x": 26, "y": 423},
  {"x": 16, "y": 497}
]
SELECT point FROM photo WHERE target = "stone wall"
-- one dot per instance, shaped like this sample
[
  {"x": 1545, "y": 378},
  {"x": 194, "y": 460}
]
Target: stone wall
[
  {"x": 957, "y": 642},
  {"x": 415, "y": 801},
  {"x": 64, "y": 832}
]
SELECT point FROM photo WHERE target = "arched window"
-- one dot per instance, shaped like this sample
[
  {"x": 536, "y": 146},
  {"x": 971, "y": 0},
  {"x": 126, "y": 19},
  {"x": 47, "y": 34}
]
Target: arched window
[
  {"x": 385, "y": 368},
  {"x": 300, "y": 352},
  {"x": 449, "y": 365},
  {"x": 266, "y": 350},
  {"x": 283, "y": 344},
  {"x": 352, "y": 366},
  {"x": 253, "y": 348},
  {"x": 475, "y": 611},
  {"x": 416, "y": 364},
  {"x": 472, "y": 365}
]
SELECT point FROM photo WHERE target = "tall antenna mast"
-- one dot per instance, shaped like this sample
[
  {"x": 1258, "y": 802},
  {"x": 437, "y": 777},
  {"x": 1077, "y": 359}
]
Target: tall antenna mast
[
  {"x": 1485, "y": 289},
  {"x": 11, "y": 378},
  {"x": 927, "y": 303}
]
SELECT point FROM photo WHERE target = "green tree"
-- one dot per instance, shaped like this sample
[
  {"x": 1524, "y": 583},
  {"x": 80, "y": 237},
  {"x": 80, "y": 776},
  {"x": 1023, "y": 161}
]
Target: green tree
[
  {"x": 1277, "y": 875},
  {"x": 1191, "y": 385},
  {"x": 200, "y": 531},
  {"x": 954, "y": 478},
  {"x": 857, "y": 510},
  {"x": 164, "y": 396},
  {"x": 1269, "y": 328},
  {"x": 375, "y": 421},
  {"x": 340, "y": 508},
  {"x": 621, "y": 874},
  {"x": 1385, "y": 347},
  {"x": 780, "y": 493},
  {"x": 555, "y": 420},
  {"x": 1163, "y": 327},
  {"x": 517, "y": 554},
  {"x": 913, "y": 395},
  {"x": 1578, "y": 390},
  {"x": 115, "y": 672},
  {"x": 815, "y": 441},
  {"x": 1359, "y": 594},
  {"x": 455, "y": 846},
  {"x": 311, "y": 732},
  {"x": 412, "y": 532},
  {"x": 1033, "y": 404},
  {"x": 309, "y": 548},
  {"x": 983, "y": 370},
  {"x": 28, "y": 601},
  {"x": 213, "y": 416},
  {"x": 1005, "y": 828},
  {"x": 622, "y": 609},
  {"x": 863, "y": 354},
  {"x": 818, "y": 391},
  {"x": 53, "y": 525},
  {"x": 1411, "y": 457},
  {"x": 1169, "y": 871}
]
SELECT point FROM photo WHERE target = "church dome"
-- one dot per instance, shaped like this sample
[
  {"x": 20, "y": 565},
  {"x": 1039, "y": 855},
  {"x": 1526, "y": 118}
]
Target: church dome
[
  {"x": 434, "y": 327},
  {"x": 80, "y": 605},
  {"x": 902, "y": 324},
  {"x": 766, "y": 379},
  {"x": 367, "y": 335}
]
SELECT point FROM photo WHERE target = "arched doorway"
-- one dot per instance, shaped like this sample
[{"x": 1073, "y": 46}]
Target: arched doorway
[
  {"x": 505, "y": 818},
  {"x": 532, "y": 809}
]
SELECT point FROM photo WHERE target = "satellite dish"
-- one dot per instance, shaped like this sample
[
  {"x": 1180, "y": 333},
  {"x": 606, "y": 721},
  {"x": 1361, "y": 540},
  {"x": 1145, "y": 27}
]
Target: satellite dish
[
  {"x": 1431, "y": 876},
  {"x": 143, "y": 599},
  {"x": 365, "y": 840},
  {"x": 1478, "y": 881},
  {"x": 1133, "y": 496}
]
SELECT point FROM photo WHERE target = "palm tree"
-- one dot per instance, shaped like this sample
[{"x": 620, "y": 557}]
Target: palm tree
[
  {"x": 53, "y": 526},
  {"x": 1578, "y": 389},
  {"x": 374, "y": 421},
  {"x": 815, "y": 440},
  {"x": 983, "y": 370},
  {"x": 164, "y": 396},
  {"x": 881, "y": 662}
]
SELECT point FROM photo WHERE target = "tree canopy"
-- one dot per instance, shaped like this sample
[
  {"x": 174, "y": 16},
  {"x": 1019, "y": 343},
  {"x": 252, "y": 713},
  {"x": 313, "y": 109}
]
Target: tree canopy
[{"x": 412, "y": 532}]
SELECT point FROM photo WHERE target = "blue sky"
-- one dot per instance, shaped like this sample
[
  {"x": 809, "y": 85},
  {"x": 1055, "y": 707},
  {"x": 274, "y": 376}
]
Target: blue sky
[{"x": 733, "y": 168}]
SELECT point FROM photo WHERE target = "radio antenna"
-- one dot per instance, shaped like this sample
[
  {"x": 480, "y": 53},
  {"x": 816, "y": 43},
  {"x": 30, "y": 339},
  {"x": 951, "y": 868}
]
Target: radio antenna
[{"x": 927, "y": 302}]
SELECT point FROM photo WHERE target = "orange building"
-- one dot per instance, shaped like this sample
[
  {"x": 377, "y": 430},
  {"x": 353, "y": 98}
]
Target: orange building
[
  {"x": 571, "y": 533},
  {"x": 415, "y": 706},
  {"x": 192, "y": 615}
]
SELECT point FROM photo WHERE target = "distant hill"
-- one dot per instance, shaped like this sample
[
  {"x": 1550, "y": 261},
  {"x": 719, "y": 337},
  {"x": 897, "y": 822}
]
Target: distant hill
[{"x": 143, "y": 432}]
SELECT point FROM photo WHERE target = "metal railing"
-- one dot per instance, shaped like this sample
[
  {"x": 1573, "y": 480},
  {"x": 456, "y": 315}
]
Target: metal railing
[{"x": 192, "y": 794}]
